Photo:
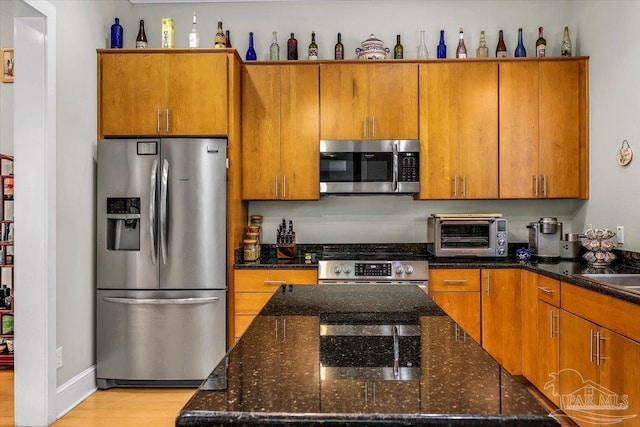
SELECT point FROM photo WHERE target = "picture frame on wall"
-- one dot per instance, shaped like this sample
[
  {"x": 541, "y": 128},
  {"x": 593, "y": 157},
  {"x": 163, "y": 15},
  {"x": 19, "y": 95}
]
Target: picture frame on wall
[{"x": 8, "y": 64}]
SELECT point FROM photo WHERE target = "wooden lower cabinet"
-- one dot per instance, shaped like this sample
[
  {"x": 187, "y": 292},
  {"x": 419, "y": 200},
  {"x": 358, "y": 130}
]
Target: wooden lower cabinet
[
  {"x": 529, "y": 289},
  {"x": 501, "y": 317},
  {"x": 457, "y": 292},
  {"x": 294, "y": 374},
  {"x": 548, "y": 349},
  {"x": 254, "y": 287},
  {"x": 601, "y": 368},
  {"x": 370, "y": 396}
]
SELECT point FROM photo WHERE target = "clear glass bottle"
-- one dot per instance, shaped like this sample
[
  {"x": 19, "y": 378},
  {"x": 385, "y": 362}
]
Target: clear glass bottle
[
  {"x": 194, "y": 37},
  {"x": 274, "y": 49},
  {"x": 117, "y": 34},
  {"x": 501, "y": 48},
  {"x": 141, "y": 40},
  {"x": 565, "y": 50},
  {"x": 251, "y": 53},
  {"x": 482, "y": 51},
  {"x": 292, "y": 48},
  {"x": 461, "y": 51},
  {"x": 541, "y": 44},
  {"x": 313, "y": 47},
  {"x": 398, "y": 50},
  {"x": 338, "y": 50},
  {"x": 423, "y": 52},
  {"x": 219, "y": 39},
  {"x": 520, "y": 52},
  {"x": 442, "y": 47}
]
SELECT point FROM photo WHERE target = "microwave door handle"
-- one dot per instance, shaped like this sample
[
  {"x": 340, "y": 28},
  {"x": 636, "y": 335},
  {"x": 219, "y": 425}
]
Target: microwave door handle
[{"x": 395, "y": 166}]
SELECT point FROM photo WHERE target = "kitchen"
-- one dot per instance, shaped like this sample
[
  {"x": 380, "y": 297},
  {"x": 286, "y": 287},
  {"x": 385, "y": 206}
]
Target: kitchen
[{"x": 340, "y": 219}]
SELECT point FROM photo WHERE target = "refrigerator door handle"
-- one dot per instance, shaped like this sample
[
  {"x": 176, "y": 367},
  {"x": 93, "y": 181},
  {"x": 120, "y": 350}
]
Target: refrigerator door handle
[
  {"x": 152, "y": 211},
  {"x": 160, "y": 301},
  {"x": 163, "y": 210}
]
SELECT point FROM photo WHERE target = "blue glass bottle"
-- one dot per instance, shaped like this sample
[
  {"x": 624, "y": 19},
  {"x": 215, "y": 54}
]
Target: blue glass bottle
[
  {"x": 116, "y": 35},
  {"x": 442, "y": 48},
  {"x": 520, "y": 50},
  {"x": 251, "y": 53}
]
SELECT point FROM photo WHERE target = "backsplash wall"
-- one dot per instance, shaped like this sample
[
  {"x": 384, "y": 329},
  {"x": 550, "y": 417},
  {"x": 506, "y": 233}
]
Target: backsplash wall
[{"x": 399, "y": 219}]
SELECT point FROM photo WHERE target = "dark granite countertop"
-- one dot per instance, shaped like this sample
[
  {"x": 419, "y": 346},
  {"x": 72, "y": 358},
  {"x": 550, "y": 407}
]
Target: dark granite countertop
[{"x": 289, "y": 368}]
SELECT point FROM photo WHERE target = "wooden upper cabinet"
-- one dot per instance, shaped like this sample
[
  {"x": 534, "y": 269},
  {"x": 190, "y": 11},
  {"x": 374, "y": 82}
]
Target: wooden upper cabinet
[
  {"x": 162, "y": 94},
  {"x": 543, "y": 129},
  {"x": 280, "y": 132},
  {"x": 459, "y": 126},
  {"x": 369, "y": 101}
]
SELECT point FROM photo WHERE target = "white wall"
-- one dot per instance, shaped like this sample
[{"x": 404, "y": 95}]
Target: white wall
[{"x": 6, "y": 89}]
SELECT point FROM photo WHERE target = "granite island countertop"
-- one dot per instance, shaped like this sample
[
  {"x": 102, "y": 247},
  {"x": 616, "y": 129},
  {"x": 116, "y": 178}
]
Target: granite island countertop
[{"x": 290, "y": 368}]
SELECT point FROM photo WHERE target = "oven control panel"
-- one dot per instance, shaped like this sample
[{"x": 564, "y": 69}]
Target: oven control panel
[{"x": 363, "y": 270}]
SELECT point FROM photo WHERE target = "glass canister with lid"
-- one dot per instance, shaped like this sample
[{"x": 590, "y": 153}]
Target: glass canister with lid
[{"x": 250, "y": 250}]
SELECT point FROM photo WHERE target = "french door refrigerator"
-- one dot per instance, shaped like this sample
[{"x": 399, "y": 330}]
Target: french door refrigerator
[{"x": 161, "y": 261}]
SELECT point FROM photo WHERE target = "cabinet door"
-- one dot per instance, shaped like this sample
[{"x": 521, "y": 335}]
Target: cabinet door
[
  {"x": 299, "y": 132},
  {"x": 518, "y": 123},
  {"x": 395, "y": 397},
  {"x": 131, "y": 93},
  {"x": 548, "y": 348},
  {"x": 260, "y": 132},
  {"x": 529, "y": 288},
  {"x": 559, "y": 137},
  {"x": 478, "y": 130},
  {"x": 620, "y": 374},
  {"x": 577, "y": 362},
  {"x": 393, "y": 101},
  {"x": 344, "y": 97},
  {"x": 196, "y": 94},
  {"x": 463, "y": 308},
  {"x": 343, "y": 396},
  {"x": 501, "y": 317},
  {"x": 438, "y": 130}
]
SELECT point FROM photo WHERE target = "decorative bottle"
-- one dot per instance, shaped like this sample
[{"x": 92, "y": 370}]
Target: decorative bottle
[
  {"x": 565, "y": 50},
  {"x": 116, "y": 34},
  {"x": 442, "y": 48},
  {"x": 501, "y": 48},
  {"x": 274, "y": 49},
  {"x": 227, "y": 40},
  {"x": 461, "y": 51},
  {"x": 251, "y": 53},
  {"x": 219, "y": 39},
  {"x": 292, "y": 48},
  {"x": 520, "y": 52},
  {"x": 313, "y": 47},
  {"x": 423, "y": 53},
  {"x": 482, "y": 51},
  {"x": 141, "y": 40},
  {"x": 194, "y": 37},
  {"x": 338, "y": 50},
  {"x": 541, "y": 45},
  {"x": 398, "y": 50}
]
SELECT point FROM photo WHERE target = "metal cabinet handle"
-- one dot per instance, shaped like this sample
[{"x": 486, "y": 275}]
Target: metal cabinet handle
[
  {"x": 158, "y": 120},
  {"x": 160, "y": 301},
  {"x": 454, "y": 281},
  {"x": 488, "y": 284},
  {"x": 274, "y": 282},
  {"x": 591, "y": 335},
  {"x": 552, "y": 331},
  {"x": 284, "y": 187},
  {"x": 364, "y": 128},
  {"x": 535, "y": 185},
  {"x": 276, "y": 180},
  {"x": 373, "y": 135},
  {"x": 366, "y": 392},
  {"x": 167, "y": 115},
  {"x": 464, "y": 186},
  {"x": 544, "y": 185},
  {"x": 599, "y": 339},
  {"x": 546, "y": 290},
  {"x": 163, "y": 211},
  {"x": 455, "y": 186},
  {"x": 152, "y": 211}
]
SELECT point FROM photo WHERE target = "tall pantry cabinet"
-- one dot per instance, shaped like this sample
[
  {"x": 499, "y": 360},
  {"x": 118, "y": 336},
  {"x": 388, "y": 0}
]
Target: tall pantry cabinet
[{"x": 7, "y": 286}]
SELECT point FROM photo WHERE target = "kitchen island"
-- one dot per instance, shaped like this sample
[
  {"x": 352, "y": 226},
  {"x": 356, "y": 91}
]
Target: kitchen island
[{"x": 359, "y": 355}]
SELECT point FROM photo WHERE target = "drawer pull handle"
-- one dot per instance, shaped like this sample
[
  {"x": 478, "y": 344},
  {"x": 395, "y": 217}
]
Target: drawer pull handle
[
  {"x": 454, "y": 281},
  {"x": 275, "y": 282},
  {"x": 546, "y": 290}
]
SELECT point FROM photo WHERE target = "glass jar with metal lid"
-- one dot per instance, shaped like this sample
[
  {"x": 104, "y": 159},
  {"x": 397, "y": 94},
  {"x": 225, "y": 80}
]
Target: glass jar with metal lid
[{"x": 250, "y": 250}]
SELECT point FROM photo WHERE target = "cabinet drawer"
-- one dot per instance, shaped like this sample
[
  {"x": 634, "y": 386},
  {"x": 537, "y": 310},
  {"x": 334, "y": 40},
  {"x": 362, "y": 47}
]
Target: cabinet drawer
[
  {"x": 549, "y": 290},
  {"x": 241, "y": 324},
  {"x": 267, "y": 280},
  {"x": 251, "y": 302},
  {"x": 454, "y": 280}
]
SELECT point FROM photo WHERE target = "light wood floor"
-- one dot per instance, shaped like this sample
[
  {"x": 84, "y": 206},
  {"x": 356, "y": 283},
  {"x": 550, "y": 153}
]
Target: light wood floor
[{"x": 118, "y": 407}]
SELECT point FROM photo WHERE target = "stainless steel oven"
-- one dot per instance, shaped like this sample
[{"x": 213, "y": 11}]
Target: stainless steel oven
[
  {"x": 369, "y": 166},
  {"x": 467, "y": 235}
]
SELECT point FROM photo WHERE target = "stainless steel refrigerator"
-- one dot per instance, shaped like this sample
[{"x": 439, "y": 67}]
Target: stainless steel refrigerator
[{"x": 161, "y": 261}]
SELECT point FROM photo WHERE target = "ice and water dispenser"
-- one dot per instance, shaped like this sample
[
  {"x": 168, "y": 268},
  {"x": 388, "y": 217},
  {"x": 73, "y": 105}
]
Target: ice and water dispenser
[{"x": 123, "y": 223}]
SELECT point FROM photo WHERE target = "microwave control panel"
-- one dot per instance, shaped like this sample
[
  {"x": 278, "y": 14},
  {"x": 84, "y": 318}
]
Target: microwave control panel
[{"x": 408, "y": 167}]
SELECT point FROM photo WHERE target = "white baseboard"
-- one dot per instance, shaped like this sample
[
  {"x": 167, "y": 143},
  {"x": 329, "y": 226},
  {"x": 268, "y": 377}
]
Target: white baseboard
[{"x": 74, "y": 391}]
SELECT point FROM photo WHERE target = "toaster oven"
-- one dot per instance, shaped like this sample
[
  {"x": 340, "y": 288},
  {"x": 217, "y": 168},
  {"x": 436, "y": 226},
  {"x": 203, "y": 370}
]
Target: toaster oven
[{"x": 467, "y": 235}]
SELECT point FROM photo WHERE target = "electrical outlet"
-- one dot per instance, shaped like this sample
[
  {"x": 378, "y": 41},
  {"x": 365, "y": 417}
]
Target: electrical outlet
[
  {"x": 620, "y": 234},
  {"x": 58, "y": 357}
]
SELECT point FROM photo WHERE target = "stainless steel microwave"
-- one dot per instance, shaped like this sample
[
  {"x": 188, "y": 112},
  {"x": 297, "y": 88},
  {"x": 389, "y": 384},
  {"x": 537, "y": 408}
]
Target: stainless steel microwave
[
  {"x": 370, "y": 166},
  {"x": 467, "y": 235}
]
